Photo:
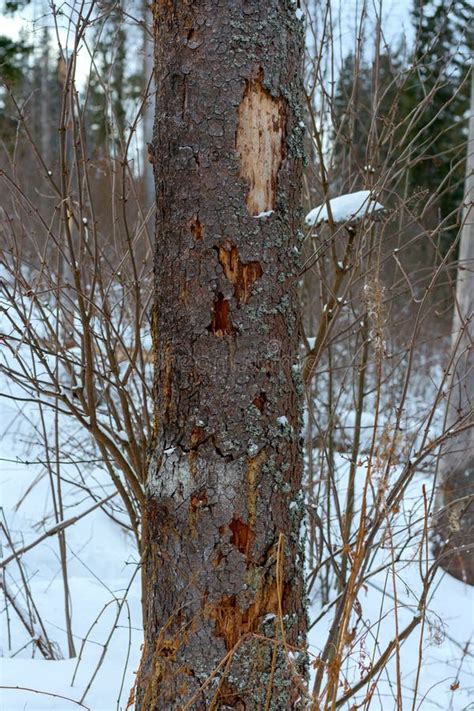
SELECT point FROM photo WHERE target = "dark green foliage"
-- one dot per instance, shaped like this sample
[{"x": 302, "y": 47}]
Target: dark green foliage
[
  {"x": 12, "y": 6},
  {"x": 13, "y": 69},
  {"x": 412, "y": 112},
  {"x": 440, "y": 81},
  {"x": 366, "y": 113},
  {"x": 13, "y": 56},
  {"x": 30, "y": 84}
]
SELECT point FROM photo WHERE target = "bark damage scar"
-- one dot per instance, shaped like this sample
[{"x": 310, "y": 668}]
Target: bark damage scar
[
  {"x": 221, "y": 324},
  {"x": 260, "y": 142},
  {"x": 232, "y": 622},
  {"x": 196, "y": 228},
  {"x": 242, "y": 535},
  {"x": 198, "y": 501},
  {"x": 260, "y": 400},
  {"x": 241, "y": 275}
]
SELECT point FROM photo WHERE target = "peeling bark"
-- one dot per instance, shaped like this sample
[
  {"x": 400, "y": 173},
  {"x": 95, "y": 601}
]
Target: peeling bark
[{"x": 224, "y": 484}]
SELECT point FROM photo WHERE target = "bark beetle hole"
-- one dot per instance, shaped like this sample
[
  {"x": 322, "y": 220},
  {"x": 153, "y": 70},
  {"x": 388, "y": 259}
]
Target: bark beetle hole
[
  {"x": 196, "y": 227},
  {"x": 260, "y": 400},
  {"x": 260, "y": 142},
  {"x": 242, "y": 275},
  {"x": 242, "y": 535},
  {"x": 221, "y": 324}
]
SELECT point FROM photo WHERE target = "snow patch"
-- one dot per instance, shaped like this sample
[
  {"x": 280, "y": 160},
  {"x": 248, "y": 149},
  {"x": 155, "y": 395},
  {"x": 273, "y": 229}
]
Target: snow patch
[
  {"x": 344, "y": 208},
  {"x": 261, "y": 215}
]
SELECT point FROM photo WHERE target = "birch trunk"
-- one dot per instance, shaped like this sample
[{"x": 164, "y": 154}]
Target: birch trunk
[
  {"x": 455, "y": 521},
  {"x": 223, "y": 557}
]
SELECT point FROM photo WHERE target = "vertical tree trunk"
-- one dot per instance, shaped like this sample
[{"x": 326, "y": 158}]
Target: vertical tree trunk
[
  {"x": 223, "y": 554},
  {"x": 149, "y": 107},
  {"x": 45, "y": 102},
  {"x": 454, "y": 525}
]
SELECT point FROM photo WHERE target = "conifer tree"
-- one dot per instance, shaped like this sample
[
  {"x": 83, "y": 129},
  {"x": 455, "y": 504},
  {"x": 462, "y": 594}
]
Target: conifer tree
[
  {"x": 224, "y": 588},
  {"x": 111, "y": 85},
  {"x": 439, "y": 81},
  {"x": 13, "y": 71}
]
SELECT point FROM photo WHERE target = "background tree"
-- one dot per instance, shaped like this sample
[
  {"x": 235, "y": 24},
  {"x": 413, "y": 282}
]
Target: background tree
[
  {"x": 13, "y": 70},
  {"x": 114, "y": 82},
  {"x": 224, "y": 570},
  {"x": 455, "y": 520}
]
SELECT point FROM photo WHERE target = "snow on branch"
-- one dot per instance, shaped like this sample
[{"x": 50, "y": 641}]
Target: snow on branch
[{"x": 352, "y": 206}]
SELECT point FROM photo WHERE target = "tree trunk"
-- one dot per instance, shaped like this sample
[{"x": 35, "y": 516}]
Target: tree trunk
[
  {"x": 148, "y": 108},
  {"x": 225, "y": 617},
  {"x": 454, "y": 525}
]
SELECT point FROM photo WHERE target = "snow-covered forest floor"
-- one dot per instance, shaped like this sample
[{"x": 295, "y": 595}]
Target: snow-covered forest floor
[
  {"x": 437, "y": 657},
  {"x": 103, "y": 578}
]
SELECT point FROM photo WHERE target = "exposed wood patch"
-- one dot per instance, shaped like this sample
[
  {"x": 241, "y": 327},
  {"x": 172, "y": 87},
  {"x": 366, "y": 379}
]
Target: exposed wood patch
[
  {"x": 193, "y": 40},
  {"x": 218, "y": 559},
  {"x": 259, "y": 401},
  {"x": 197, "y": 437},
  {"x": 167, "y": 648},
  {"x": 242, "y": 275},
  {"x": 232, "y": 622},
  {"x": 198, "y": 502},
  {"x": 221, "y": 324},
  {"x": 242, "y": 535},
  {"x": 260, "y": 142},
  {"x": 196, "y": 228}
]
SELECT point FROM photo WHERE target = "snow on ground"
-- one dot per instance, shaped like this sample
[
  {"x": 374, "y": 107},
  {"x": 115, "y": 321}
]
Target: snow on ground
[
  {"x": 441, "y": 650},
  {"x": 101, "y": 563},
  {"x": 353, "y": 206},
  {"x": 445, "y": 662}
]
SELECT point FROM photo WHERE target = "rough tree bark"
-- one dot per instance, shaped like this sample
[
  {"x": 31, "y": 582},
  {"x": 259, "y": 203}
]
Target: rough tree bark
[
  {"x": 223, "y": 556},
  {"x": 454, "y": 523}
]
